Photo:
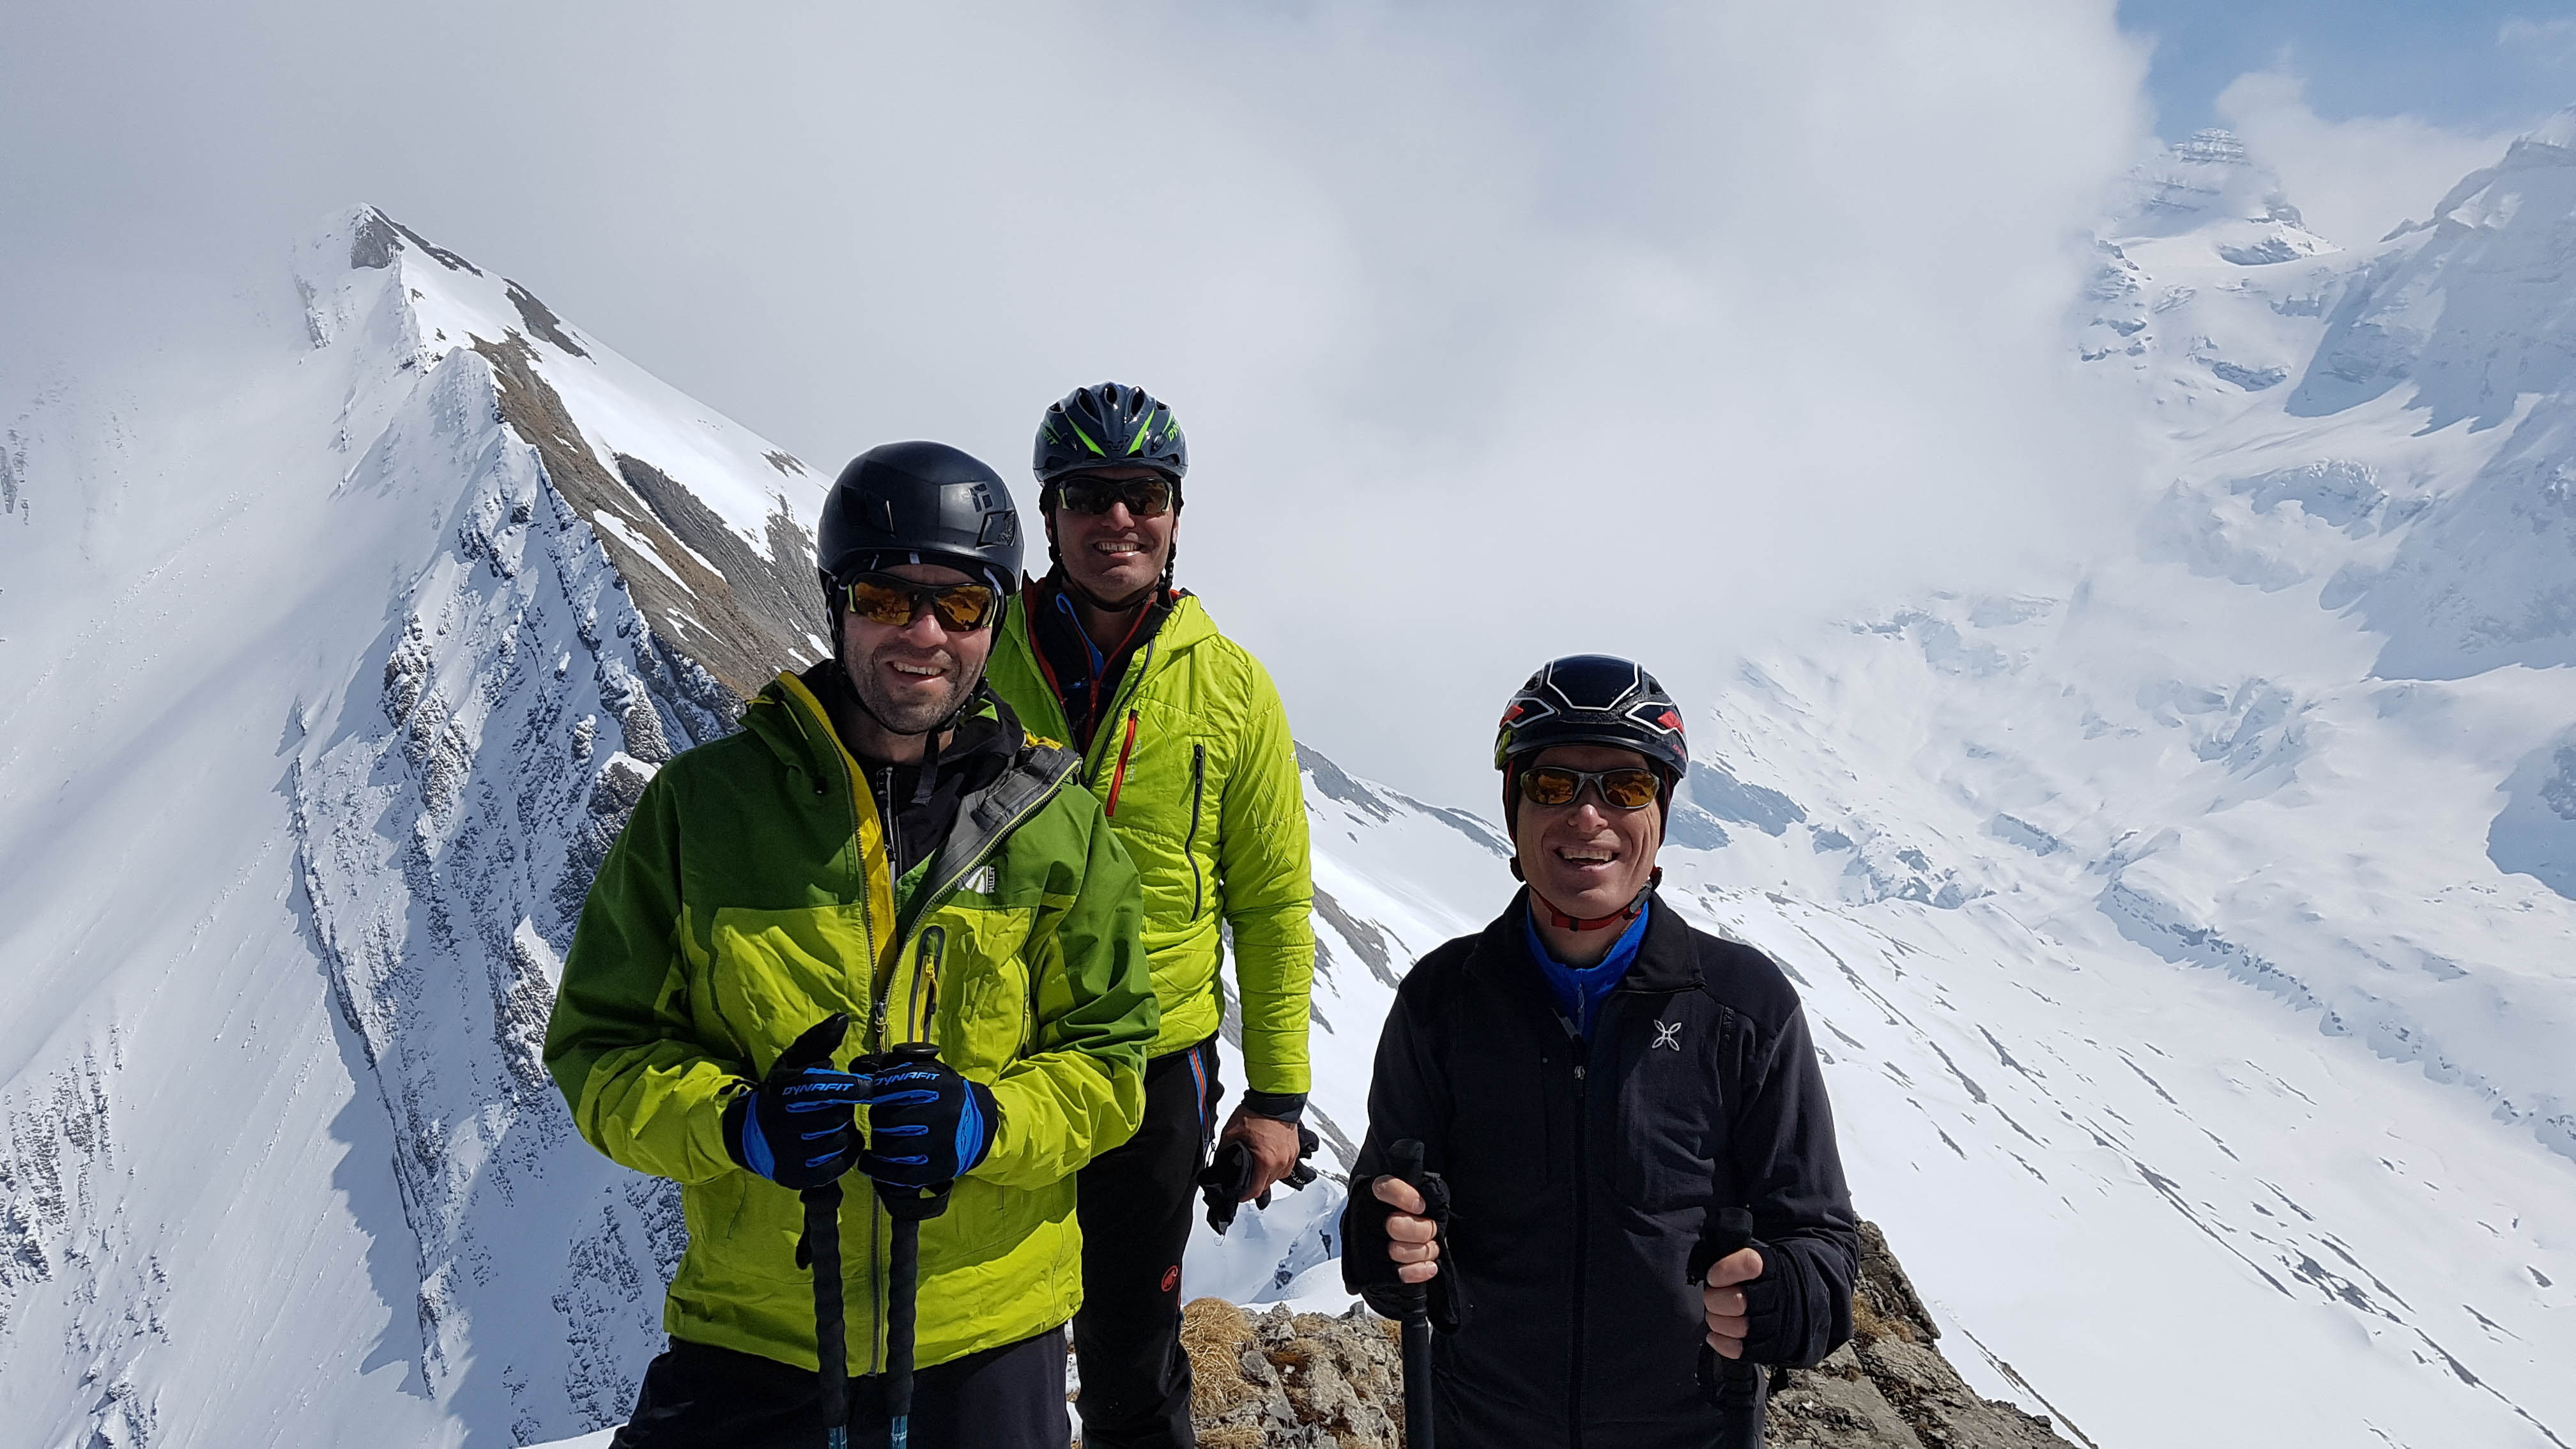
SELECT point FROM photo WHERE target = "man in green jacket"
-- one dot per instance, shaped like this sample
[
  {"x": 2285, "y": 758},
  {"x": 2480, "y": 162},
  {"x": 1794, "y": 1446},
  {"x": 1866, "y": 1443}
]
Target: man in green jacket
[
  {"x": 881, "y": 846},
  {"x": 1186, "y": 745}
]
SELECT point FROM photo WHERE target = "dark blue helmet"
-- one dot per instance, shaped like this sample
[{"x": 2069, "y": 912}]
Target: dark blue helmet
[
  {"x": 1594, "y": 699},
  {"x": 1110, "y": 425}
]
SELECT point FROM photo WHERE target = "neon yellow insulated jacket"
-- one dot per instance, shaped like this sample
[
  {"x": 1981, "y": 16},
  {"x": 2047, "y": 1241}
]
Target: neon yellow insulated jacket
[
  {"x": 747, "y": 900},
  {"x": 1195, "y": 769}
]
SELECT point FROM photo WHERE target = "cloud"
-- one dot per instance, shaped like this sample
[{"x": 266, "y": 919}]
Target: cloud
[
  {"x": 2550, "y": 42},
  {"x": 1500, "y": 330},
  {"x": 2353, "y": 180}
]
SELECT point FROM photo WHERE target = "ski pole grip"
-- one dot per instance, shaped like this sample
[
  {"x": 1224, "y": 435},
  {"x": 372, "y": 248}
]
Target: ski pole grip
[
  {"x": 1405, "y": 1158},
  {"x": 1729, "y": 1233}
]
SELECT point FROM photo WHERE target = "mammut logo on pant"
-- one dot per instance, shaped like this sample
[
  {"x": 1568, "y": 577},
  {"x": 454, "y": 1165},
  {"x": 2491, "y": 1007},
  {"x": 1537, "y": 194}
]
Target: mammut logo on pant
[
  {"x": 1668, "y": 1034},
  {"x": 1171, "y": 1277}
]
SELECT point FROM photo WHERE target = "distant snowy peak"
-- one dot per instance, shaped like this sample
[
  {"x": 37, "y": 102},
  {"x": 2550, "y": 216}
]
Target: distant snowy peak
[
  {"x": 2488, "y": 197},
  {"x": 706, "y": 523},
  {"x": 2210, "y": 186},
  {"x": 2349, "y": 372},
  {"x": 2558, "y": 133}
]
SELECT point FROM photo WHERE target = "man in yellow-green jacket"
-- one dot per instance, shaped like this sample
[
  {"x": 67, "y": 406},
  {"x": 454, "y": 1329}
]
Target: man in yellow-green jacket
[
  {"x": 880, "y": 843},
  {"x": 1186, "y": 745}
]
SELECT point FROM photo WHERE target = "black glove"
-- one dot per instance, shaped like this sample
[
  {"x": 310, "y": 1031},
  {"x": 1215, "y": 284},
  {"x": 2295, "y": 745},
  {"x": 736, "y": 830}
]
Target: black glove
[
  {"x": 926, "y": 1124},
  {"x": 1223, "y": 1180},
  {"x": 797, "y": 1127},
  {"x": 1369, "y": 1272}
]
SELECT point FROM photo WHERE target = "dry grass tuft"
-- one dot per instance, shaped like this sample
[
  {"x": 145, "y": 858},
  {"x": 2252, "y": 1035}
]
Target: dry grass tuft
[
  {"x": 1215, "y": 1333},
  {"x": 1869, "y": 1325}
]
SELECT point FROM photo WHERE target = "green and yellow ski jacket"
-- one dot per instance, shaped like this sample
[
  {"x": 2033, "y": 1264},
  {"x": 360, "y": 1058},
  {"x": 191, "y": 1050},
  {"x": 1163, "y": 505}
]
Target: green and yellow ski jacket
[
  {"x": 1194, "y": 767},
  {"x": 748, "y": 899}
]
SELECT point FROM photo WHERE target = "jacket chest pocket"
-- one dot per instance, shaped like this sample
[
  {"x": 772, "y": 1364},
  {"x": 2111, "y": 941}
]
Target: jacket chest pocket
[
  {"x": 1168, "y": 792},
  {"x": 987, "y": 1015},
  {"x": 1198, "y": 822},
  {"x": 1671, "y": 1116},
  {"x": 776, "y": 973},
  {"x": 1512, "y": 1104}
]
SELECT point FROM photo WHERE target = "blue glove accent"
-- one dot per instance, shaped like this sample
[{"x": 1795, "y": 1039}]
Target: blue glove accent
[
  {"x": 755, "y": 1149},
  {"x": 974, "y": 1139}
]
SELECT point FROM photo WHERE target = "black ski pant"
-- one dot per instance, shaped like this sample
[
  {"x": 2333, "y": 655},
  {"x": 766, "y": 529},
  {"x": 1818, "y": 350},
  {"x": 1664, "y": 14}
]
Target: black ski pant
[
  {"x": 1136, "y": 1203},
  {"x": 699, "y": 1397}
]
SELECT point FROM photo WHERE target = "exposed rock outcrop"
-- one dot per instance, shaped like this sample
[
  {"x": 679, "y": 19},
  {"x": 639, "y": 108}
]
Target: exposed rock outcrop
[
  {"x": 1889, "y": 1388},
  {"x": 1304, "y": 1381},
  {"x": 1278, "y": 1380}
]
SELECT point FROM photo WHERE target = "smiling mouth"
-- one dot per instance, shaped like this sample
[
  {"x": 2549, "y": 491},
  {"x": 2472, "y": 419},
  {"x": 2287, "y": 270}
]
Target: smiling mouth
[
  {"x": 1586, "y": 856},
  {"x": 1118, "y": 548},
  {"x": 917, "y": 671}
]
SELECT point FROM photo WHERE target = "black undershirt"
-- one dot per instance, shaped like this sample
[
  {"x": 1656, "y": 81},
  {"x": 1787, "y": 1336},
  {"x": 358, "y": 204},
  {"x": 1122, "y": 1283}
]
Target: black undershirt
[{"x": 915, "y": 827}]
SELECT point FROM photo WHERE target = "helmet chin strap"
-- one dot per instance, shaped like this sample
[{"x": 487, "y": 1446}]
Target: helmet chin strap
[
  {"x": 930, "y": 738},
  {"x": 1563, "y": 922}
]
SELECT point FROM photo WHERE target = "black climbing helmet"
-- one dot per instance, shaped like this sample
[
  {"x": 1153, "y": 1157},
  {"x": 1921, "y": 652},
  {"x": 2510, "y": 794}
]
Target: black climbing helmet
[
  {"x": 1110, "y": 425},
  {"x": 918, "y": 503},
  {"x": 1592, "y": 699}
]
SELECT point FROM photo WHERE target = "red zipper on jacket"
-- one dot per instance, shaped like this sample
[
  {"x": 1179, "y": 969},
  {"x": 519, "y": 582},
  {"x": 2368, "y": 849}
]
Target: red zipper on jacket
[{"x": 1119, "y": 776}]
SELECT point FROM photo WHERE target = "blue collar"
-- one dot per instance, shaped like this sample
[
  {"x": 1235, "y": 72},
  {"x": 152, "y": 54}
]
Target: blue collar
[{"x": 1579, "y": 990}]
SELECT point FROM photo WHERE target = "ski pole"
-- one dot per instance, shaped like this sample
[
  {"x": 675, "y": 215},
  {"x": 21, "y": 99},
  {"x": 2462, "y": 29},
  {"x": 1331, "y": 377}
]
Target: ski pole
[
  {"x": 908, "y": 1207},
  {"x": 1415, "y": 1298},
  {"x": 1734, "y": 1385},
  {"x": 823, "y": 1250},
  {"x": 820, "y": 1250}
]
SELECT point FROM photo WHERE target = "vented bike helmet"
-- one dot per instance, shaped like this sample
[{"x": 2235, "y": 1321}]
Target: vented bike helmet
[
  {"x": 1110, "y": 425},
  {"x": 1591, "y": 699}
]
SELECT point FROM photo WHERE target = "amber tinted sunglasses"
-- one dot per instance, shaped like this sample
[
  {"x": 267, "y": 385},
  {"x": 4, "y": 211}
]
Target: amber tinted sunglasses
[
  {"x": 891, "y": 599},
  {"x": 1631, "y": 788}
]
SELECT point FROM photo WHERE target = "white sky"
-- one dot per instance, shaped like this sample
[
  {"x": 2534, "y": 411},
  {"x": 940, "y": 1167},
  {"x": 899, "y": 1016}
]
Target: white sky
[{"x": 1499, "y": 330}]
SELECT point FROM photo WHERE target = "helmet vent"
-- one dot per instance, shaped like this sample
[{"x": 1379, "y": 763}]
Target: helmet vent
[{"x": 1107, "y": 422}]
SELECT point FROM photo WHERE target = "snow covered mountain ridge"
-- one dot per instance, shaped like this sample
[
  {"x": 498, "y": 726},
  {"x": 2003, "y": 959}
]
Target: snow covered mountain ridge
[
  {"x": 2187, "y": 936},
  {"x": 485, "y": 575}
]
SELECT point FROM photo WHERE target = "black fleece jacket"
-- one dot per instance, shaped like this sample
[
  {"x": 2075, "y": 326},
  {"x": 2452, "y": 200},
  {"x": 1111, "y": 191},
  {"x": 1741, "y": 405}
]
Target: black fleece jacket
[{"x": 1583, "y": 1173}]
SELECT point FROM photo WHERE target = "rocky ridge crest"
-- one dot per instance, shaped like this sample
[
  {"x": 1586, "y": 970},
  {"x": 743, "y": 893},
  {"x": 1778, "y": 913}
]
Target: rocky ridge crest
[{"x": 1282, "y": 1380}]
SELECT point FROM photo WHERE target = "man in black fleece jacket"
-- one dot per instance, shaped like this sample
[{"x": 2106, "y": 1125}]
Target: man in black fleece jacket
[{"x": 1595, "y": 1082}]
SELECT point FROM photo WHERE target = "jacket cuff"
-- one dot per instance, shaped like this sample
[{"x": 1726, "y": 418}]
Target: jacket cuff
[
  {"x": 1780, "y": 1323},
  {"x": 1288, "y": 1107}
]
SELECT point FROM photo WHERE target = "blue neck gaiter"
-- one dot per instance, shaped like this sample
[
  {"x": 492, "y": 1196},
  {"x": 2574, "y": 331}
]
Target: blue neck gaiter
[{"x": 1578, "y": 992}]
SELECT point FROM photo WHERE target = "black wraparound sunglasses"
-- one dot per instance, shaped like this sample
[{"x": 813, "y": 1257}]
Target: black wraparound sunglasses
[{"x": 1144, "y": 497}]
